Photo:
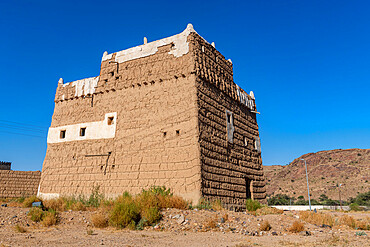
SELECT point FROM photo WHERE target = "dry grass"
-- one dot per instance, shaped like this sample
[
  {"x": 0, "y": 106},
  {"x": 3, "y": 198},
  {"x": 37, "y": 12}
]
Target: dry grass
[
  {"x": 296, "y": 227},
  {"x": 265, "y": 226},
  {"x": 328, "y": 219},
  {"x": 99, "y": 220},
  {"x": 210, "y": 224},
  {"x": 55, "y": 204},
  {"x": 172, "y": 202},
  {"x": 78, "y": 206},
  {"x": 266, "y": 211},
  {"x": 50, "y": 219},
  {"x": 226, "y": 217},
  {"x": 20, "y": 229},
  {"x": 36, "y": 214},
  {"x": 317, "y": 218},
  {"x": 29, "y": 200},
  {"x": 217, "y": 205}
]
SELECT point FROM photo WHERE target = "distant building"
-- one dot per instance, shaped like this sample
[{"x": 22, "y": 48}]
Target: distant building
[
  {"x": 164, "y": 113},
  {"x": 5, "y": 165}
]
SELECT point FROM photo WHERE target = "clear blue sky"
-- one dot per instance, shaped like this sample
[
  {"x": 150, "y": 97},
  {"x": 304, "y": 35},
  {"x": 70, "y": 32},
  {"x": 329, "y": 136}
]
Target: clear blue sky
[{"x": 306, "y": 61}]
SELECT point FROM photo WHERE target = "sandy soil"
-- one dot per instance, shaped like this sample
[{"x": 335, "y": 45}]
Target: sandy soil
[{"x": 177, "y": 228}]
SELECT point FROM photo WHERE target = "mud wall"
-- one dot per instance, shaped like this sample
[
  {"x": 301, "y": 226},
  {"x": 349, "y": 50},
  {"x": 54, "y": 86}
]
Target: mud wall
[
  {"x": 231, "y": 162},
  {"x": 155, "y": 141},
  {"x": 19, "y": 183}
]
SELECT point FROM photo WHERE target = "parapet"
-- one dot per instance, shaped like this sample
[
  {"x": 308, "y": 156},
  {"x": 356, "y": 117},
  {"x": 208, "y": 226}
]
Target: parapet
[{"x": 142, "y": 68}]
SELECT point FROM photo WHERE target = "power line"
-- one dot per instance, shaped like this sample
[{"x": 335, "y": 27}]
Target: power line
[
  {"x": 25, "y": 124},
  {"x": 21, "y": 134},
  {"x": 21, "y": 128}
]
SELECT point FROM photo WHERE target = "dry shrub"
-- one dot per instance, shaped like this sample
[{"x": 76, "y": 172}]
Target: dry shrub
[
  {"x": 316, "y": 218},
  {"x": 327, "y": 219},
  {"x": 150, "y": 215},
  {"x": 20, "y": 229},
  {"x": 226, "y": 217},
  {"x": 347, "y": 221},
  {"x": 29, "y": 200},
  {"x": 125, "y": 213},
  {"x": 217, "y": 205},
  {"x": 78, "y": 206},
  {"x": 55, "y": 204},
  {"x": 99, "y": 220},
  {"x": 268, "y": 210},
  {"x": 265, "y": 226},
  {"x": 296, "y": 227},
  {"x": 210, "y": 224},
  {"x": 176, "y": 202},
  {"x": 50, "y": 218},
  {"x": 363, "y": 225},
  {"x": 36, "y": 214}
]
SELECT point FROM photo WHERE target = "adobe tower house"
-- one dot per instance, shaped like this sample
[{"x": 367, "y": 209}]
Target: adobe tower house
[{"x": 164, "y": 113}]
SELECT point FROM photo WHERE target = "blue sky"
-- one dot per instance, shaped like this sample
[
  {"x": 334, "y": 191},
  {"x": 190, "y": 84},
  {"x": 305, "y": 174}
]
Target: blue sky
[{"x": 306, "y": 61}]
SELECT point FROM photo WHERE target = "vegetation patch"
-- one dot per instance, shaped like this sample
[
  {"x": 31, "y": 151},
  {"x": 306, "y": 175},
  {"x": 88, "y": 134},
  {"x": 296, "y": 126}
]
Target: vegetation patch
[
  {"x": 265, "y": 226},
  {"x": 253, "y": 205},
  {"x": 296, "y": 227}
]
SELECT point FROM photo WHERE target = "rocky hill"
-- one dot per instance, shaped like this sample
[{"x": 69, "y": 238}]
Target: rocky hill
[{"x": 326, "y": 169}]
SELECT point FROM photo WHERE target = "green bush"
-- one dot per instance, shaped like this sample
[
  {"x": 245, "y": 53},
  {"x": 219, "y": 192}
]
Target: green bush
[
  {"x": 253, "y": 205},
  {"x": 36, "y": 214},
  {"x": 150, "y": 215},
  {"x": 354, "y": 207},
  {"x": 95, "y": 198},
  {"x": 125, "y": 213}
]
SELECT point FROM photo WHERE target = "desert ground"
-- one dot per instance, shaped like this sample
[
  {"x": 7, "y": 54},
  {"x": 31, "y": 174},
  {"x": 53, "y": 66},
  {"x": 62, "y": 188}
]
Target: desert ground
[{"x": 182, "y": 228}]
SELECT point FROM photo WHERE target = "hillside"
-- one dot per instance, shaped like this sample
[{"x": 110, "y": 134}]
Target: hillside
[{"x": 326, "y": 169}]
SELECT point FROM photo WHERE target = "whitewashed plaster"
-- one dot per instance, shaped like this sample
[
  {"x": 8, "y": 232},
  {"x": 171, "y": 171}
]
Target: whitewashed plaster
[
  {"x": 181, "y": 47},
  {"x": 94, "y": 130},
  {"x": 244, "y": 99},
  {"x": 85, "y": 86},
  {"x": 47, "y": 196}
]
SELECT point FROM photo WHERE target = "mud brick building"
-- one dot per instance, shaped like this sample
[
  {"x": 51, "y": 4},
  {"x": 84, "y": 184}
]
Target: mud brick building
[
  {"x": 163, "y": 113},
  {"x": 15, "y": 184}
]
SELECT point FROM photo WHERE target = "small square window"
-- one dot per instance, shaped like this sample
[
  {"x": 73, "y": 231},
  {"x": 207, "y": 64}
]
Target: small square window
[
  {"x": 110, "y": 120},
  {"x": 62, "y": 134},
  {"x": 82, "y": 131}
]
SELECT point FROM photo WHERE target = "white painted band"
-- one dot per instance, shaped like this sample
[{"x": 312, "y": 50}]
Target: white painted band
[{"x": 94, "y": 130}]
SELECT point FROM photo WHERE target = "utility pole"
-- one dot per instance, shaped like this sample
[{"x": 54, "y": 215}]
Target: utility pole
[
  {"x": 308, "y": 188},
  {"x": 340, "y": 200}
]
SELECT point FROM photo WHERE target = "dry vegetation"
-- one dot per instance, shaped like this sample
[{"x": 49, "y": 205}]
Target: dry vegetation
[
  {"x": 332, "y": 220},
  {"x": 296, "y": 227},
  {"x": 265, "y": 226}
]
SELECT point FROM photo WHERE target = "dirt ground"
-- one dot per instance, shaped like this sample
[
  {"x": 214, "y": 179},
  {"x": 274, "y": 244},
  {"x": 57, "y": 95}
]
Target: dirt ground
[{"x": 177, "y": 228}]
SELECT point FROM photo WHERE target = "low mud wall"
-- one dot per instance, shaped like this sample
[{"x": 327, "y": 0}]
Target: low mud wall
[{"x": 18, "y": 183}]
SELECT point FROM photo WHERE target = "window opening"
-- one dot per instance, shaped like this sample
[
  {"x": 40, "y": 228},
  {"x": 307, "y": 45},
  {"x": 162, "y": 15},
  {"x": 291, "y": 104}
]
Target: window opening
[
  {"x": 82, "y": 131},
  {"x": 248, "y": 193},
  {"x": 228, "y": 117},
  {"x": 164, "y": 134},
  {"x": 177, "y": 132},
  {"x": 62, "y": 134},
  {"x": 110, "y": 120}
]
